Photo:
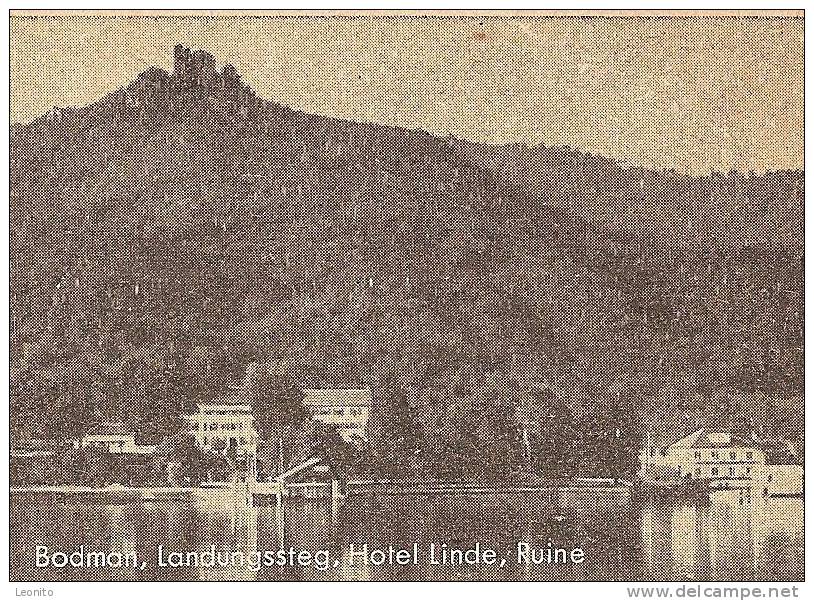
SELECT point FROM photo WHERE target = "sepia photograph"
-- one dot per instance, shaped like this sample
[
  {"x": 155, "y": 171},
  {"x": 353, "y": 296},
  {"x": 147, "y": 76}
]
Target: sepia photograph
[{"x": 404, "y": 296}]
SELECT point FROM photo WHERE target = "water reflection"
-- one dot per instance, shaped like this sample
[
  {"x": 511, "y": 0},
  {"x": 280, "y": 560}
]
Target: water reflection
[
  {"x": 735, "y": 536},
  {"x": 738, "y": 535}
]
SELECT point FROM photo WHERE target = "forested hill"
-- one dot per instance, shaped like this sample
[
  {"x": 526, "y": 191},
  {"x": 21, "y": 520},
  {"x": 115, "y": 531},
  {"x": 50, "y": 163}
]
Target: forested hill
[
  {"x": 673, "y": 209},
  {"x": 180, "y": 227}
]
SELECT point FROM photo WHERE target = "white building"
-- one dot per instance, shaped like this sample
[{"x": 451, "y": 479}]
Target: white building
[
  {"x": 783, "y": 480},
  {"x": 113, "y": 438},
  {"x": 222, "y": 424},
  {"x": 724, "y": 459},
  {"x": 228, "y": 423},
  {"x": 706, "y": 454},
  {"x": 347, "y": 409}
]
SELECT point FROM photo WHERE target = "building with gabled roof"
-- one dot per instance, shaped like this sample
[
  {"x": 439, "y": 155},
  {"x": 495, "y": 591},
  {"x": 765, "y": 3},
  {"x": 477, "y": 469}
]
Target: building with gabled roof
[
  {"x": 724, "y": 459},
  {"x": 706, "y": 453}
]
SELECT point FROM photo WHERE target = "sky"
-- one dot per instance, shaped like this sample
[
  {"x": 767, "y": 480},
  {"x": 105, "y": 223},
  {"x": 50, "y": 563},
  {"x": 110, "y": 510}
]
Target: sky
[{"x": 693, "y": 93}]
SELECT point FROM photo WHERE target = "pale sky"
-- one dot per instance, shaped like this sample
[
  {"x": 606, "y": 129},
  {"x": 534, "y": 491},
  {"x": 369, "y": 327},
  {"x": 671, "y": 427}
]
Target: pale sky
[{"x": 691, "y": 93}]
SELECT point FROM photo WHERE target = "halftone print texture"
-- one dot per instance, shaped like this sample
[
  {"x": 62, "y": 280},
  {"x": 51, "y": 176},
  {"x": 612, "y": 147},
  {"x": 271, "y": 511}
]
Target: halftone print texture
[{"x": 406, "y": 296}]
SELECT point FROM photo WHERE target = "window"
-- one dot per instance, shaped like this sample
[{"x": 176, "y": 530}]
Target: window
[
  {"x": 731, "y": 471},
  {"x": 715, "y": 454},
  {"x": 733, "y": 455},
  {"x": 715, "y": 471},
  {"x": 698, "y": 454}
]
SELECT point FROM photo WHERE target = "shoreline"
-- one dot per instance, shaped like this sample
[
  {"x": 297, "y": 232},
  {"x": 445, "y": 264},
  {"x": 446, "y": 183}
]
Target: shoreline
[
  {"x": 355, "y": 487},
  {"x": 556, "y": 493}
]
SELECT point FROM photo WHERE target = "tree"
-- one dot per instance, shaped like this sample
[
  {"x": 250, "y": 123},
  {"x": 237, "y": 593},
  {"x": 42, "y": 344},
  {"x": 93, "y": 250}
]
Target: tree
[
  {"x": 214, "y": 467},
  {"x": 397, "y": 436},
  {"x": 343, "y": 457},
  {"x": 165, "y": 389},
  {"x": 278, "y": 410},
  {"x": 95, "y": 470},
  {"x": 180, "y": 459},
  {"x": 67, "y": 466},
  {"x": 483, "y": 437},
  {"x": 610, "y": 437},
  {"x": 551, "y": 432},
  {"x": 275, "y": 399}
]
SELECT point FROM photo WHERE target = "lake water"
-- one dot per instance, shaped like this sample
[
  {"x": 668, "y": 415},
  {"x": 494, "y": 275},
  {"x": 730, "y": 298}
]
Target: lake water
[{"x": 737, "y": 535}]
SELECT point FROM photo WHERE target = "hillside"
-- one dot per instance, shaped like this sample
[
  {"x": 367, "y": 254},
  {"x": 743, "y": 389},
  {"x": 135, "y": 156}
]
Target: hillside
[
  {"x": 181, "y": 226},
  {"x": 668, "y": 208}
]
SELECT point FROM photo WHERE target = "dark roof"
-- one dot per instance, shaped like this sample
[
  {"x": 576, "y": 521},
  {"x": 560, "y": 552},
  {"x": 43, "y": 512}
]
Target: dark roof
[
  {"x": 777, "y": 450},
  {"x": 711, "y": 438}
]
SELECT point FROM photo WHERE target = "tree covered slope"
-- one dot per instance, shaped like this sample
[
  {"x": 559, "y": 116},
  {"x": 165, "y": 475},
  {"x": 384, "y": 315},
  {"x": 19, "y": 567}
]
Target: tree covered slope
[{"x": 180, "y": 227}]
